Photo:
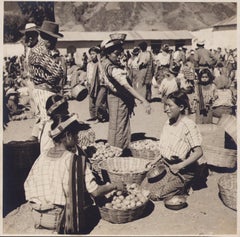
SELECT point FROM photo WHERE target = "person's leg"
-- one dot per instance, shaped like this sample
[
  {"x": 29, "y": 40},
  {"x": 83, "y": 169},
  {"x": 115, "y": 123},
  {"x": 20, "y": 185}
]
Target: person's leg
[
  {"x": 92, "y": 108},
  {"x": 119, "y": 133}
]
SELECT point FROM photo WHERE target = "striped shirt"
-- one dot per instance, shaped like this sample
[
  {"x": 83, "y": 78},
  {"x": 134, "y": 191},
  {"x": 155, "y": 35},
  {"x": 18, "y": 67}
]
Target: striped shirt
[
  {"x": 179, "y": 138},
  {"x": 47, "y": 181}
]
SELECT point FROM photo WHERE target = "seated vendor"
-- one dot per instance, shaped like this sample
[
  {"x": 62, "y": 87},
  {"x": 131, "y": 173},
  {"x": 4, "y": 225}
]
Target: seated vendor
[
  {"x": 180, "y": 147},
  {"x": 60, "y": 186}
]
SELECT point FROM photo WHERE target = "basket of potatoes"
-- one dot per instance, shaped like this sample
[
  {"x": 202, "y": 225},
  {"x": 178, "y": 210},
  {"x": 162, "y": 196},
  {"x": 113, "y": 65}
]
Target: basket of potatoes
[
  {"x": 147, "y": 149},
  {"x": 122, "y": 207},
  {"x": 101, "y": 151}
]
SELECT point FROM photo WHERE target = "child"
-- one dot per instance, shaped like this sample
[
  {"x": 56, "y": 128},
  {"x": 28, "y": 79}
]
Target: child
[
  {"x": 168, "y": 84},
  {"x": 205, "y": 96},
  {"x": 180, "y": 146}
]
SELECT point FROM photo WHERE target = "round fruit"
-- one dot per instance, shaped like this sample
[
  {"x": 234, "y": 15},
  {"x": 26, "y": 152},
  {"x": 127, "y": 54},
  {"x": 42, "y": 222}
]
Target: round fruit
[{"x": 108, "y": 205}]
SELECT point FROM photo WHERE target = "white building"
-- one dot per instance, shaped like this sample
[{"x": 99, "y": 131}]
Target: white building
[
  {"x": 222, "y": 34},
  {"x": 80, "y": 42}
]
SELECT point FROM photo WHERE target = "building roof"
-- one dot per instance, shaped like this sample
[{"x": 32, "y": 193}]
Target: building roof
[
  {"x": 131, "y": 35},
  {"x": 229, "y": 21}
]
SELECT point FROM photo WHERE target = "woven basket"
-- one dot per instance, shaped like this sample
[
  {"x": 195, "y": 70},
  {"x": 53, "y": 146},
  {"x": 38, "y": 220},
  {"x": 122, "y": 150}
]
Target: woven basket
[
  {"x": 144, "y": 152},
  {"x": 229, "y": 123},
  {"x": 118, "y": 36},
  {"x": 220, "y": 157},
  {"x": 227, "y": 185},
  {"x": 122, "y": 216},
  {"x": 130, "y": 170}
]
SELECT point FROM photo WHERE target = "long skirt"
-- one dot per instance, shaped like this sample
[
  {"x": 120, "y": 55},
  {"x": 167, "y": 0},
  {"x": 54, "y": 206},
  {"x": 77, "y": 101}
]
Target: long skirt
[
  {"x": 119, "y": 132},
  {"x": 169, "y": 185},
  {"x": 139, "y": 82}
]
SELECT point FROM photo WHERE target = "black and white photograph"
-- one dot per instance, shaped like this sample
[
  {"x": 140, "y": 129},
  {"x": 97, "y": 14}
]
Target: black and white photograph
[{"x": 119, "y": 118}]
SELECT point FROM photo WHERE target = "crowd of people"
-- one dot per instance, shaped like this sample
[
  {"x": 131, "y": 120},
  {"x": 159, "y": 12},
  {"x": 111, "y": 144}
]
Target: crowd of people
[{"x": 60, "y": 183}]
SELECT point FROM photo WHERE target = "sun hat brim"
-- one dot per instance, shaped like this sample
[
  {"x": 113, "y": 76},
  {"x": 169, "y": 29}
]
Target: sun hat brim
[
  {"x": 29, "y": 30},
  {"x": 55, "y": 106},
  {"x": 70, "y": 124},
  {"x": 58, "y": 35}
]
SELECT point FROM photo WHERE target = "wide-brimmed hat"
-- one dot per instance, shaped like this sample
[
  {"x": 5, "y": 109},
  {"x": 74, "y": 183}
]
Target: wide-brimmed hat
[
  {"x": 29, "y": 27},
  {"x": 95, "y": 49},
  {"x": 11, "y": 91},
  {"x": 136, "y": 51},
  {"x": 201, "y": 43},
  {"x": 53, "y": 103},
  {"x": 51, "y": 28},
  {"x": 112, "y": 43},
  {"x": 70, "y": 124}
]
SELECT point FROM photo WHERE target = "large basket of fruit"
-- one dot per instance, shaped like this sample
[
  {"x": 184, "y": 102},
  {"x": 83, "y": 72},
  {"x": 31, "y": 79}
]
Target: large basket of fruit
[
  {"x": 125, "y": 169},
  {"x": 122, "y": 207},
  {"x": 147, "y": 149},
  {"x": 102, "y": 152}
]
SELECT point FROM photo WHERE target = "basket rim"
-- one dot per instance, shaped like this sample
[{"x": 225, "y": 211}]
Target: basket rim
[{"x": 106, "y": 160}]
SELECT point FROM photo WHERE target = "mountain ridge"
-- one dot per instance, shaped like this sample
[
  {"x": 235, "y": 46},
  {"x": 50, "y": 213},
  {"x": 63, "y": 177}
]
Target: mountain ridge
[{"x": 115, "y": 16}]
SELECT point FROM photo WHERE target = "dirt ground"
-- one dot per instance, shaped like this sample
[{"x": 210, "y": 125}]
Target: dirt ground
[{"x": 205, "y": 214}]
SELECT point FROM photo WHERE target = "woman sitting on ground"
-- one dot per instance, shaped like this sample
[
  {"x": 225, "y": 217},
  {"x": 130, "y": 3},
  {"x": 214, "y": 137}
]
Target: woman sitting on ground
[
  {"x": 180, "y": 146},
  {"x": 60, "y": 186}
]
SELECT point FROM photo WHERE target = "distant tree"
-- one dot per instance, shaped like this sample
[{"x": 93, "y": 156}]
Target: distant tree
[
  {"x": 37, "y": 12},
  {"x": 12, "y": 23}
]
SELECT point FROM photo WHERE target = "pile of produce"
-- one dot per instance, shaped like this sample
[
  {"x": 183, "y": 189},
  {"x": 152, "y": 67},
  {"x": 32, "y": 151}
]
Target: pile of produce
[
  {"x": 145, "y": 148},
  {"x": 98, "y": 152},
  {"x": 132, "y": 198},
  {"x": 105, "y": 151}
]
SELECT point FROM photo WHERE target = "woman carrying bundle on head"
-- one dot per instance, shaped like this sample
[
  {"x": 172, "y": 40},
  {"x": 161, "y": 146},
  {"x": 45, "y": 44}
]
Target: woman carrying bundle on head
[{"x": 121, "y": 95}]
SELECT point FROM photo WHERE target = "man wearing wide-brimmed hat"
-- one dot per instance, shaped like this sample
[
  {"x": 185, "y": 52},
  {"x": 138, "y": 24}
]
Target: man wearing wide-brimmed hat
[{"x": 45, "y": 68}]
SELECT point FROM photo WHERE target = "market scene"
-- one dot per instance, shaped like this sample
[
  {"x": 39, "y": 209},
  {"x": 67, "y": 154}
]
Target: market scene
[{"x": 121, "y": 132}]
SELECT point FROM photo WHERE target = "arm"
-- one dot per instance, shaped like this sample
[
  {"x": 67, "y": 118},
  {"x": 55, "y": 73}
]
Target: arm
[
  {"x": 194, "y": 156},
  {"x": 120, "y": 76},
  {"x": 104, "y": 189},
  {"x": 136, "y": 95}
]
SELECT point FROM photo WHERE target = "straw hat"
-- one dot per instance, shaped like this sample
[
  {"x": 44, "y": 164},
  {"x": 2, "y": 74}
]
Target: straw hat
[
  {"x": 51, "y": 28},
  {"x": 200, "y": 43},
  {"x": 70, "y": 124},
  {"x": 11, "y": 91},
  {"x": 136, "y": 51},
  {"x": 108, "y": 44},
  {"x": 29, "y": 27},
  {"x": 53, "y": 103},
  {"x": 95, "y": 49}
]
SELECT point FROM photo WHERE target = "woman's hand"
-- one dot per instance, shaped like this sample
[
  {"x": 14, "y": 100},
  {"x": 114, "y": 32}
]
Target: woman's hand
[
  {"x": 120, "y": 186},
  {"x": 147, "y": 106}
]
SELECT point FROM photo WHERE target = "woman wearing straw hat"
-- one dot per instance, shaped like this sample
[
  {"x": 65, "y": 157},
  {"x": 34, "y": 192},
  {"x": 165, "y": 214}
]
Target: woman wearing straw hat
[
  {"x": 60, "y": 186},
  {"x": 45, "y": 70},
  {"x": 121, "y": 95}
]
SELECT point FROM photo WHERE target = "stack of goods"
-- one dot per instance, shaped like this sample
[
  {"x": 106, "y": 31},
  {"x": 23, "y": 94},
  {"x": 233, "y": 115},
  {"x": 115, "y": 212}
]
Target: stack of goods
[
  {"x": 227, "y": 185},
  {"x": 122, "y": 207},
  {"x": 125, "y": 169},
  {"x": 147, "y": 149},
  {"x": 86, "y": 138}
]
